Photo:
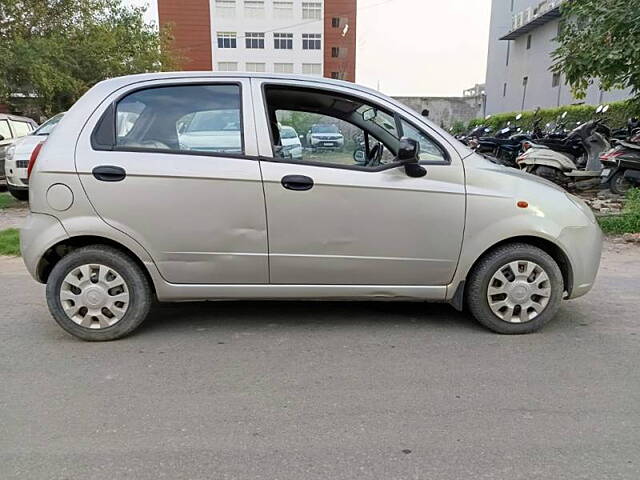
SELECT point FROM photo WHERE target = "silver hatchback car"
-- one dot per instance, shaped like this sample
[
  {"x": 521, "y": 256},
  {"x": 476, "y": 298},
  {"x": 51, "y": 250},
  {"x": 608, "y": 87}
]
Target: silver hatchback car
[{"x": 177, "y": 187}]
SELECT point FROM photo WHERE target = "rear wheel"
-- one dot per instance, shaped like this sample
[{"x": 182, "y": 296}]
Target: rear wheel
[
  {"x": 515, "y": 289},
  {"x": 98, "y": 293},
  {"x": 619, "y": 184}
]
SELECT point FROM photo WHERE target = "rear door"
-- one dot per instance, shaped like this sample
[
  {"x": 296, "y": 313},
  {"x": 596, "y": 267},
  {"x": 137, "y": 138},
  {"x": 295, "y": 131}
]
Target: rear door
[{"x": 182, "y": 178}]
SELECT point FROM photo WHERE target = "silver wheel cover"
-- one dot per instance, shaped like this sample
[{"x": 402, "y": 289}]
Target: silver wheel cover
[
  {"x": 519, "y": 291},
  {"x": 94, "y": 296}
]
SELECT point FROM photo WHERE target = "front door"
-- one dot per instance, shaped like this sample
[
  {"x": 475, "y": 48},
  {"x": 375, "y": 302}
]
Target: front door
[
  {"x": 339, "y": 216},
  {"x": 190, "y": 189}
]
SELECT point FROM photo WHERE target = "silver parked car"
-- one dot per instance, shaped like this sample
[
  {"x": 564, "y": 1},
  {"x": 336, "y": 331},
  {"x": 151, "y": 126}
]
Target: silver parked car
[{"x": 124, "y": 210}]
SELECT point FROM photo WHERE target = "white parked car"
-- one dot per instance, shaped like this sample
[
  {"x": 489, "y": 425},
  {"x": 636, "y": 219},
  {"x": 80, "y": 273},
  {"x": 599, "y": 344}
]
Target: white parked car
[
  {"x": 18, "y": 155},
  {"x": 12, "y": 127},
  {"x": 125, "y": 209},
  {"x": 325, "y": 136},
  {"x": 291, "y": 145},
  {"x": 217, "y": 131}
]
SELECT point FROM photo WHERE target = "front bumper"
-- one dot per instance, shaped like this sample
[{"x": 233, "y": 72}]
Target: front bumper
[
  {"x": 319, "y": 143},
  {"x": 16, "y": 173},
  {"x": 583, "y": 247}
]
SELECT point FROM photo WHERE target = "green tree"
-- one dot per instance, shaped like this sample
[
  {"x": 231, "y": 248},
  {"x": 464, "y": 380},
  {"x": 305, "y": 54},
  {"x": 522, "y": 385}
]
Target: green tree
[
  {"x": 53, "y": 51},
  {"x": 600, "y": 39}
]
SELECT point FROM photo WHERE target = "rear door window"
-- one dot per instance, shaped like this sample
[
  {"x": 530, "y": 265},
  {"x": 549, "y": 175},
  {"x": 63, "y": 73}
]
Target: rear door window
[
  {"x": 189, "y": 118},
  {"x": 21, "y": 129}
]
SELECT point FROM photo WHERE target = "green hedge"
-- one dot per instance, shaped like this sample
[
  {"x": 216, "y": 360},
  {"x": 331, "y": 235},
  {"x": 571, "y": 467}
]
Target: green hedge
[
  {"x": 629, "y": 221},
  {"x": 616, "y": 117}
]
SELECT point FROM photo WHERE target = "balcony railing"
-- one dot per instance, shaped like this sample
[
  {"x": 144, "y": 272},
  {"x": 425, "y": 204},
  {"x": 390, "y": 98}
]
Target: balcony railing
[{"x": 531, "y": 18}]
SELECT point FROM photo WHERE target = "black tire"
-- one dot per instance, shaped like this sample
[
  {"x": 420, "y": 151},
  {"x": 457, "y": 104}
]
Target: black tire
[
  {"x": 140, "y": 292},
  {"x": 22, "y": 195},
  {"x": 618, "y": 184},
  {"x": 482, "y": 273}
]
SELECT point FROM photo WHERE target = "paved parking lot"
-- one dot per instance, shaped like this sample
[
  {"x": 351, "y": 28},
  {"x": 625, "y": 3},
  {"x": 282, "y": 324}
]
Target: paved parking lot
[{"x": 324, "y": 391}]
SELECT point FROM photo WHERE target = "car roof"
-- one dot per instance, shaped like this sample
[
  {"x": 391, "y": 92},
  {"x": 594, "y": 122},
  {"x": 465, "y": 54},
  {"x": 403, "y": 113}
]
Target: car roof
[
  {"x": 8, "y": 116},
  {"x": 143, "y": 77}
]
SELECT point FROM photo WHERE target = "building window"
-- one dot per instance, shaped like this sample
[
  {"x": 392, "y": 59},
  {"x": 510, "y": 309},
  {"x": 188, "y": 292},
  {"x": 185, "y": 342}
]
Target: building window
[
  {"x": 255, "y": 67},
  {"x": 311, "y": 41},
  {"x": 225, "y": 8},
  {"x": 254, "y": 8},
  {"x": 508, "y": 51},
  {"x": 283, "y": 67},
  {"x": 335, "y": 22},
  {"x": 227, "y": 40},
  {"x": 555, "y": 80},
  {"x": 283, "y": 41},
  {"x": 504, "y": 90},
  {"x": 338, "y": 52},
  {"x": 312, "y": 10},
  {"x": 528, "y": 42},
  {"x": 227, "y": 66},
  {"x": 283, "y": 8},
  {"x": 338, "y": 75},
  {"x": 254, "y": 40},
  {"x": 312, "y": 69}
]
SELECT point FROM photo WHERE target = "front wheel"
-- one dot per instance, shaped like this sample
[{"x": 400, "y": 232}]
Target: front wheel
[
  {"x": 98, "y": 293},
  {"x": 618, "y": 184},
  {"x": 515, "y": 289}
]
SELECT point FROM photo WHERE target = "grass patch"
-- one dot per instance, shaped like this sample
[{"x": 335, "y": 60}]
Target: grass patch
[
  {"x": 629, "y": 220},
  {"x": 7, "y": 201},
  {"x": 10, "y": 242}
]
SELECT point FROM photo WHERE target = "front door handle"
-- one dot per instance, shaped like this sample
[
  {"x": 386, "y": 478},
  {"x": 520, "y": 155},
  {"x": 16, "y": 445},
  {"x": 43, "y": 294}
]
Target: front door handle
[
  {"x": 298, "y": 183},
  {"x": 109, "y": 173}
]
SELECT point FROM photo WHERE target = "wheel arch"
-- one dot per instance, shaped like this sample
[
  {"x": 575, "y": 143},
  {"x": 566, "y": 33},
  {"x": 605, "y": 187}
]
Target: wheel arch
[
  {"x": 58, "y": 251},
  {"x": 554, "y": 250}
]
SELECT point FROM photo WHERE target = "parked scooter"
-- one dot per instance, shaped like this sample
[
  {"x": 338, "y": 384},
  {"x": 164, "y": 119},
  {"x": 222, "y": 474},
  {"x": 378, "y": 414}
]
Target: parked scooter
[
  {"x": 574, "y": 160},
  {"x": 622, "y": 164},
  {"x": 505, "y": 145}
]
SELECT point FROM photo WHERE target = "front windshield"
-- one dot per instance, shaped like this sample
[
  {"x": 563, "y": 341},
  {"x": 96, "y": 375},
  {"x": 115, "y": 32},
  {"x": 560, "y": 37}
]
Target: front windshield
[
  {"x": 288, "y": 132},
  {"x": 47, "y": 127},
  {"x": 324, "y": 129}
]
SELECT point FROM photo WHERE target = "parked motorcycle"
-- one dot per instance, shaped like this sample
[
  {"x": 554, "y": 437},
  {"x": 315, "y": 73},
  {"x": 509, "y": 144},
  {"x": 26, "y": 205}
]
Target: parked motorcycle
[
  {"x": 622, "y": 165},
  {"x": 573, "y": 160}
]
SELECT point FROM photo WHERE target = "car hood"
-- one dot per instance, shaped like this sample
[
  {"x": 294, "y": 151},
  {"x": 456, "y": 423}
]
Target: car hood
[
  {"x": 286, "y": 142},
  {"x": 480, "y": 162}
]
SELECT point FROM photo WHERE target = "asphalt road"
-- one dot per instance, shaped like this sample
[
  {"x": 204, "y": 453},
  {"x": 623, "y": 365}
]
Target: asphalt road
[{"x": 324, "y": 391}]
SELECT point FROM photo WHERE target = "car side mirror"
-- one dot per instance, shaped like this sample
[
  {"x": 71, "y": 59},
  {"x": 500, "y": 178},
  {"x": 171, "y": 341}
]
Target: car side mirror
[{"x": 409, "y": 156}]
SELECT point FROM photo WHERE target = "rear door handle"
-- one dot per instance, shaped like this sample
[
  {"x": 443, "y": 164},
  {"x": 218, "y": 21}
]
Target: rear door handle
[
  {"x": 109, "y": 173},
  {"x": 298, "y": 183}
]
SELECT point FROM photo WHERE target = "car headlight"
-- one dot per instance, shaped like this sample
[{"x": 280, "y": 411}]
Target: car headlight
[
  {"x": 582, "y": 206},
  {"x": 10, "y": 152}
]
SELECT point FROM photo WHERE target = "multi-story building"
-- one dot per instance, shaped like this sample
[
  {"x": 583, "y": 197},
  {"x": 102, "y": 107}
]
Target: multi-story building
[
  {"x": 522, "y": 39},
  {"x": 314, "y": 37}
]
